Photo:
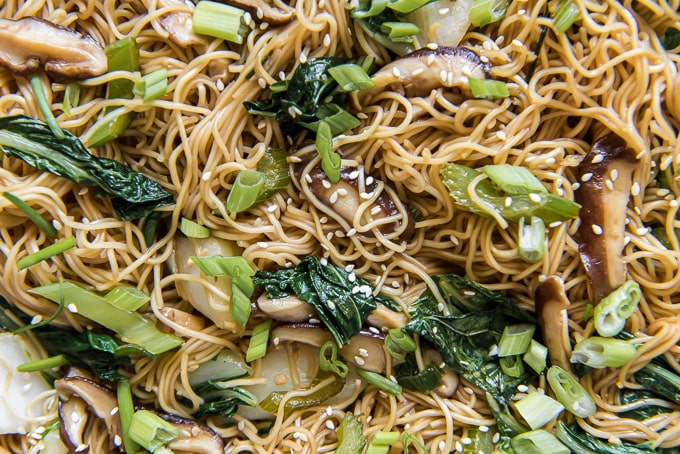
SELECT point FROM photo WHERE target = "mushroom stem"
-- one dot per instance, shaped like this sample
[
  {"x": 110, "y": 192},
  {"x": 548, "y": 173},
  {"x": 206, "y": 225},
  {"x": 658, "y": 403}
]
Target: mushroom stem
[{"x": 551, "y": 311}]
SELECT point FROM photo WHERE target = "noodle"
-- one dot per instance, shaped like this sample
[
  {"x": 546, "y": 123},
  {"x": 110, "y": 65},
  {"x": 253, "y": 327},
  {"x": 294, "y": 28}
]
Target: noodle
[{"x": 610, "y": 73}]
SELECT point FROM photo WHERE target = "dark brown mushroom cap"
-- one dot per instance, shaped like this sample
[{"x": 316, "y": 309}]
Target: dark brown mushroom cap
[
  {"x": 342, "y": 200},
  {"x": 29, "y": 42},
  {"x": 551, "y": 311},
  {"x": 420, "y": 72},
  {"x": 366, "y": 350},
  {"x": 261, "y": 11},
  {"x": 605, "y": 177},
  {"x": 73, "y": 417}
]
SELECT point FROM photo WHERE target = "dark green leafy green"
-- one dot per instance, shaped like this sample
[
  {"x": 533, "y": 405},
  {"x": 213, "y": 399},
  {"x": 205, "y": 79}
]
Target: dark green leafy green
[
  {"x": 644, "y": 411},
  {"x": 222, "y": 401},
  {"x": 342, "y": 304},
  {"x": 464, "y": 332},
  {"x": 299, "y": 99},
  {"x": 671, "y": 38},
  {"x": 578, "y": 440},
  {"x": 425, "y": 380},
  {"x": 133, "y": 194}
]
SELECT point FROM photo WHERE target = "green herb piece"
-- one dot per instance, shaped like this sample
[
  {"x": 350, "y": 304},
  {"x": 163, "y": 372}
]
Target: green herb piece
[
  {"x": 407, "y": 438},
  {"x": 127, "y": 297},
  {"x": 406, "y": 6},
  {"x": 514, "y": 180},
  {"x": 335, "y": 116},
  {"x": 244, "y": 192},
  {"x": 220, "y": 21},
  {"x": 224, "y": 402},
  {"x": 152, "y": 86},
  {"x": 399, "y": 30},
  {"x": 485, "y": 12},
  {"x": 121, "y": 55},
  {"x": 274, "y": 166},
  {"x": 42, "y": 223},
  {"x": 330, "y": 161},
  {"x": 538, "y": 409},
  {"x": 536, "y": 356},
  {"x": 512, "y": 365},
  {"x": 329, "y": 362},
  {"x": 601, "y": 352},
  {"x": 343, "y": 305},
  {"x": 538, "y": 442},
  {"x": 372, "y": 26},
  {"x": 43, "y": 364},
  {"x": 126, "y": 410},
  {"x": 351, "y": 77},
  {"x": 488, "y": 88},
  {"x": 192, "y": 229},
  {"x": 350, "y": 435},
  {"x": 151, "y": 431},
  {"x": 531, "y": 240},
  {"x": 466, "y": 328},
  {"x": 273, "y": 400},
  {"x": 565, "y": 15},
  {"x": 71, "y": 97},
  {"x": 257, "y": 347},
  {"x": 508, "y": 425},
  {"x": 659, "y": 377},
  {"x": 570, "y": 393},
  {"x": 368, "y": 8},
  {"x": 47, "y": 252},
  {"x": 515, "y": 339},
  {"x": 45, "y": 108},
  {"x": 578, "y": 441},
  {"x": 383, "y": 383},
  {"x": 131, "y": 326},
  {"x": 241, "y": 281},
  {"x": 549, "y": 207},
  {"x": 398, "y": 342},
  {"x": 381, "y": 442},
  {"x": 423, "y": 381},
  {"x": 671, "y": 38},
  {"x": 133, "y": 194},
  {"x": 610, "y": 314}
]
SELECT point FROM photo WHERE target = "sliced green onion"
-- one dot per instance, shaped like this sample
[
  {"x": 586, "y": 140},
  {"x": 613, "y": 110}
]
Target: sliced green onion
[
  {"x": 43, "y": 364},
  {"x": 512, "y": 365},
  {"x": 121, "y": 55},
  {"x": 397, "y": 342},
  {"x": 406, "y": 6},
  {"x": 257, "y": 347},
  {"x": 599, "y": 352},
  {"x": 71, "y": 97},
  {"x": 274, "y": 166},
  {"x": 276, "y": 87},
  {"x": 515, "y": 339},
  {"x": 350, "y": 435},
  {"x": 47, "y": 252},
  {"x": 407, "y": 438},
  {"x": 243, "y": 194},
  {"x": 127, "y": 297},
  {"x": 351, "y": 77},
  {"x": 368, "y": 8},
  {"x": 383, "y": 383},
  {"x": 588, "y": 312},
  {"x": 126, "y": 409},
  {"x": 329, "y": 362},
  {"x": 131, "y": 326},
  {"x": 538, "y": 442},
  {"x": 514, "y": 180},
  {"x": 531, "y": 241},
  {"x": 398, "y": 30},
  {"x": 538, "y": 409},
  {"x": 367, "y": 63},
  {"x": 611, "y": 313},
  {"x": 220, "y": 21},
  {"x": 338, "y": 118},
  {"x": 239, "y": 306},
  {"x": 45, "y": 321},
  {"x": 45, "y": 108},
  {"x": 152, "y": 86},
  {"x": 381, "y": 442},
  {"x": 488, "y": 88},
  {"x": 570, "y": 393},
  {"x": 151, "y": 431},
  {"x": 485, "y": 12},
  {"x": 423, "y": 381},
  {"x": 565, "y": 15},
  {"x": 192, "y": 229},
  {"x": 42, "y": 223},
  {"x": 330, "y": 161},
  {"x": 536, "y": 356},
  {"x": 317, "y": 397}
]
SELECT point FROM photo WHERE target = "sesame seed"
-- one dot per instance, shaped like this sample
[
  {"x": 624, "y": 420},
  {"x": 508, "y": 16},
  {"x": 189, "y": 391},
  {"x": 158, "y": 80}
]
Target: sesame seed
[
  {"x": 366, "y": 195},
  {"x": 276, "y": 341},
  {"x": 555, "y": 224},
  {"x": 113, "y": 411},
  {"x": 27, "y": 387},
  {"x": 597, "y": 230},
  {"x": 507, "y": 202},
  {"x": 331, "y": 305},
  {"x": 534, "y": 197},
  {"x": 359, "y": 360},
  {"x": 440, "y": 307},
  {"x": 517, "y": 43},
  {"x": 609, "y": 184},
  {"x": 483, "y": 429},
  {"x": 374, "y": 330},
  {"x": 369, "y": 180},
  {"x": 640, "y": 154},
  {"x": 459, "y": 446},
  {"x": 501, "y": 135},
  {"x": 443, "y": 76},
  {"x": 575, "y": 186},
  {"x": 395, "y": 72},
  {"x": 353, "y": 175},
  {"x": 352, "y": 277},
  {"x": 262, "y": 244},
  {"x": 662, "y": 192},
  {"x": 434, "y": 330},
  {"x": 614, "y": 174},
  {"x": 432, "y": 46},
  {"x": 272, "y": 208},
  {"x": 442, "y": 445},
  {"x": 466, "y": 441},
  {"x": 72, "y": 308},
  {"x": 342, "y": 191},
  {"x": 375, "y": 210},
  {"x": 36, "y": 319},
  {"x": 395, "y": 284},
  {"x": 329, "y": 236},
  {"x": 642, "y": 231},
  {"x": 673, "y": 203},
  {"x": 206, "y": 176},
  {"x": 522, "y": 388},
  {"x": 469, "y": 293},
  {"x": 349, "y": 268},
  {"x": 484, "y": 58},
  {"x": 635, "y": 189},
  {"x": 363, "y": 353},
  {"x": 334, "y": 197},
  {"x": 586, "y": 177},
  {"x": 352, "y": 232},
  {"x": 329, "y": 411},
  {"x": 550, "y": 160},
  {"x": 261, "y": 82},
  {"x": 324, "y": 261},
  {"x": 430, "y": 59},
  {"x": 303, "y": 58},
  {"x": 56, "y": 224},
  {"x": 330, "y": 425},
  {"x": 327, "y": 40},
  {"x": 496, "y": 437},
  {"x": 117, "y": 440},
  {"x": 444, "y": 11},
  {"x": 308, "y": 178},
  {"x": 81, "y": 448},
  {"x": 417, "y": 71},
  {"x": 598, "y": 158},
  {"x": 323, "y": 219}
]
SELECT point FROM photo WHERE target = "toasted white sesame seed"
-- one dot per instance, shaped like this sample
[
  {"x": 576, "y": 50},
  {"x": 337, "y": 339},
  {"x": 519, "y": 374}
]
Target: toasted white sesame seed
[
  {"x": 359, "y": 360},
  {"x": 36, "y": 319},
  {"x": 369, "y": 180},
  {"x": 323, "y": 261},
  {"x": 635, "y": 189},
  {"x": 114, "y": 410},
  {"x": 597, "y": 230},
  {"x": 395, "y": 72},
  {"x": 614, "y": 174},
  {"x": 609, "y": 184},
  {"x": 272, "y": 208},
  {"x": 117, "y": 441},
  {"x": 330, "y": 425},
  {"x": 27, "y": 387},
  {"x": 333, "y": 197},
  {"x": 342, "y": 191},
  {"x": 469, "y": 293},
  {"x": 434, "y": 330},
  {"x": 329, "y": 236},
  {"x": 366, "y": 195},
  {"x": 575, "y": 186},
  {"x": 483, "y": 429},
  {"x": 598, "y": 158},
  {"x": 308, "y": 178},
  {"x": 352, "y": 232},
  {"x": 534, "y": 197},
  {"x": 432, "y": 46},
  {"x": 303, "y": 58},
  {"x": 374, "y": 330},
  {"x": 261, "y": 82},
  {"x": 484, "y": 58},
  {"x": 262, "y": 244},
  {"x": 430, "y": 59},
  {"x": 642, "y": 231},
  {"x": 662, "y": 192},
  {"x": 586, "y": 177},
  {"x": 496, "y": 437},
  {"x": 206, "y": 176},
  {"x": 517, "y": 43},
  {"x": 444, "y": 11},
  {"x": 459, "y": 446},
  {"x": 327, "y": 40},
  {"x": 673, "y": 203},
  {"x": 442, "y": 445},
  {"x": 72, "y": 308},
  {"x": 443, "y": 76},
  {"x": 501, "y": 135},
  {"x": 466, "y": 441},
  {"x": 417, "y": 71},
  {"x": 640, "y": 154},
  {"x": 555, "y": 224},
  {"x": 507, "y": 202},
  {"x": 363, "y": 353},
  {"x": 522, "y": 388},
  {"x": 323, "y": 219},
  {"x": 395, "y": 284},
  {"x": 81, "y": 448}
]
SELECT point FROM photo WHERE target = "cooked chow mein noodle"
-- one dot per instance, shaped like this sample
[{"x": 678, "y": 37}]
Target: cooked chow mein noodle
[{"x": 608, "y": 73}]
